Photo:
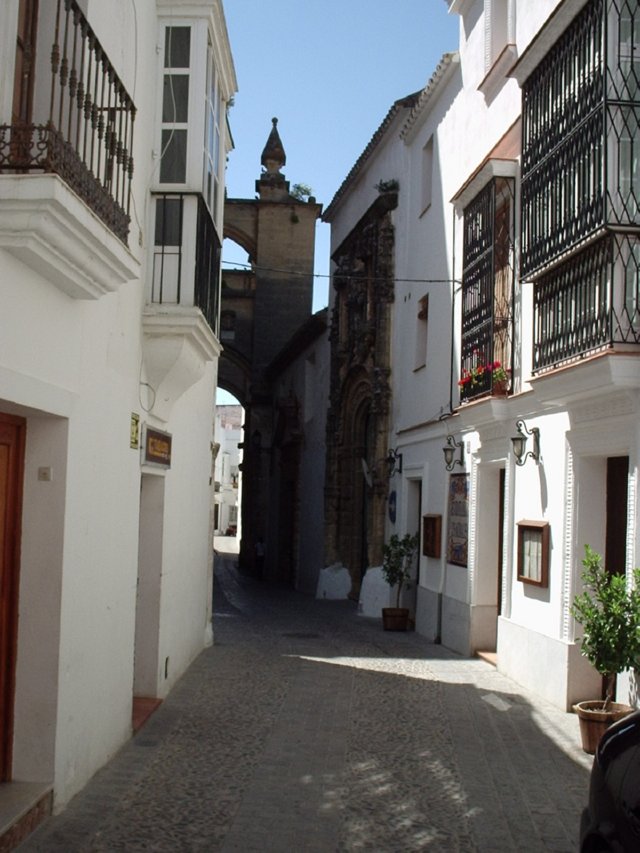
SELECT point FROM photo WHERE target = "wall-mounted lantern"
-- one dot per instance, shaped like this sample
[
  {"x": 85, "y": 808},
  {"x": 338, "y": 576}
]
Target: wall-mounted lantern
[
  {"x": 519, "y": 442},
  {"x": 449, "y": 452}
]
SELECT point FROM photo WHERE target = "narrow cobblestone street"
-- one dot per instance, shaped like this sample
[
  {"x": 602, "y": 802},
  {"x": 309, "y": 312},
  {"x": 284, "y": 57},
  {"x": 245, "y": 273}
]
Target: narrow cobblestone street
[{"x": 308, "y": 728}]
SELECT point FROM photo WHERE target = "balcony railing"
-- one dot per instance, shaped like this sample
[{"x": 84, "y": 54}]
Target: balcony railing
[
  {"x": 581, "y": 136},
  {"x": 207, "y": 274},
  {"x": 177, "y": 280},
  {"x": 82, "y": 119},
  {"x": 589, "y": 304}
]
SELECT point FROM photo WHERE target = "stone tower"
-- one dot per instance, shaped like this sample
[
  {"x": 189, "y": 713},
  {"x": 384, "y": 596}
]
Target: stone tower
[{"x": 261, "y": 309}]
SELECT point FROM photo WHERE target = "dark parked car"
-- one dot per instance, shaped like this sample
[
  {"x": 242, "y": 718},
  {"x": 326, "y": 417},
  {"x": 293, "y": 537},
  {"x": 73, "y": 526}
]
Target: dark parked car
[{"x": 611, "y": 822}]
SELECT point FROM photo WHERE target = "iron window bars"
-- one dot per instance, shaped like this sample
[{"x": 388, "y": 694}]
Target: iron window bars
[
  {"x": 590, "y": 302},
  {"x": 581, "y": 186},
  {"x": 487, "y": 287},
  {"x": 581, "y": 135}
]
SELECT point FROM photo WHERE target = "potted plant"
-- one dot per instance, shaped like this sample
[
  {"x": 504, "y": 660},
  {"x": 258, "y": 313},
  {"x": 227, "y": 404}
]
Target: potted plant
[
  {"x": 609, "y": 613},
  {"x": 476, "y": 375},
  {"x": 398, "y": 556}
]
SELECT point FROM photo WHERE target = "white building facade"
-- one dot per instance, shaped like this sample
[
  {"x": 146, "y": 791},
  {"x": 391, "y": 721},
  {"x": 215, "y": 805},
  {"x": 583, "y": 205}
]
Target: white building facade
[
  {"x": 228, "y": 437},
  {"x": 516, "y": 257},
  {"x": 108, "y": 363},
  {"x": 548, "y": 225}
]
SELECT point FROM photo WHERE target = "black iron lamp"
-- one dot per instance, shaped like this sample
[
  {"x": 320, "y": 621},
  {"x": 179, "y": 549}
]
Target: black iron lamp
[
  {"x": 519, "y": 442},
  {"x": 449, "y": 452},
  {"x": 394, "y": 461}
]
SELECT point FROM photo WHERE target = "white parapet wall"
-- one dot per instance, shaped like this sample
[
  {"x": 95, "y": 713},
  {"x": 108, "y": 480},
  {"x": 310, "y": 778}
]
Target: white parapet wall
[
  {"x": 551, "y": 668},
  {"x": 334, "y": 582},
  {"x": 374, "y": 593}
]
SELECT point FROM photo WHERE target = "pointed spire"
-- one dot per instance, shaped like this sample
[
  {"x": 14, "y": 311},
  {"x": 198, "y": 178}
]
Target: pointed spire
[{"x": 273, "y": 156}]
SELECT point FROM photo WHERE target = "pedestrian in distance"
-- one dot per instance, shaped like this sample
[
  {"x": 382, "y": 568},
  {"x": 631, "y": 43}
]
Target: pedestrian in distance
[{"x": 259, "y": 557}]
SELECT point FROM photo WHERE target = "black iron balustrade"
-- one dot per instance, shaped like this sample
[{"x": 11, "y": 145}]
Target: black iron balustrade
[
  {"x": 86, "y": 134},
  {"x": 207, "y": 273},
  {"x": 487, "y": 288},
  {"x": 565, "y": 88},
  {"x": 563, "y": 199},
  {"x": 581, "y": 136},
  {"x": 171, "y": 280},
  {"x": 589, "y": 304},
  {"x": 622, "y": 114}
]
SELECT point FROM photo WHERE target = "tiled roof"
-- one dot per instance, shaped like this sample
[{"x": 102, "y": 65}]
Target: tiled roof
[
  {"x": 396, "y": 107},
  {"x": 416, "y": 103},
  {"x": 448, "y": 59}
]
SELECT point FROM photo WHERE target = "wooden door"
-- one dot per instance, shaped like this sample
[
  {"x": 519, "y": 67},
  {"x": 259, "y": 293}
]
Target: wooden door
[
  {"x": 12, "y": 437},
  {"x": 615, "y": 556}
]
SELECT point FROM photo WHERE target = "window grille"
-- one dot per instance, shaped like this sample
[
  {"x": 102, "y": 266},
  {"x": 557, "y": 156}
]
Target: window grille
[
  {"x": 487, "y": 288},
  {"x": 581, "y": 136},
  {"x": 589, "y": 303}
]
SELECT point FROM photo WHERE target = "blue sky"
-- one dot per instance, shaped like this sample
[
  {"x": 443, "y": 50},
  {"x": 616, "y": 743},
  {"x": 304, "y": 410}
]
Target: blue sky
[{"x": 329, "y": 70}]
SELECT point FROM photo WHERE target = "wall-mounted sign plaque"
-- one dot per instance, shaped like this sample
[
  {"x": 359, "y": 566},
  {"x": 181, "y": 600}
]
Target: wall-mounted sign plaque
[{"x": 157, "y": 448}]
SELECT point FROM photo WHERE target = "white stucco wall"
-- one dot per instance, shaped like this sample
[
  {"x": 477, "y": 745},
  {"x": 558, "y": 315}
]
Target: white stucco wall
[
  {"x": 459, "y": 605},
  {"x": 227, "y": 463},
  {"x": 73, "y": 368}
]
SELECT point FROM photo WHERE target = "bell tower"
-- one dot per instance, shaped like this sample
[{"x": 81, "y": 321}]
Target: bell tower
[{"x": 262, "y": 308}]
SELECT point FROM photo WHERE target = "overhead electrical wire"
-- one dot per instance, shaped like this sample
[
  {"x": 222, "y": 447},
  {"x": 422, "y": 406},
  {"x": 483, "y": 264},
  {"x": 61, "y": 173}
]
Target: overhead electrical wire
[{"x": 340, "y": 275}]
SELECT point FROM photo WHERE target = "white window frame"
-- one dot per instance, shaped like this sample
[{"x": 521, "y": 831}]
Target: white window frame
[
  {"x": 214, "y": 141},
  {"x": 499, "y": 29}
]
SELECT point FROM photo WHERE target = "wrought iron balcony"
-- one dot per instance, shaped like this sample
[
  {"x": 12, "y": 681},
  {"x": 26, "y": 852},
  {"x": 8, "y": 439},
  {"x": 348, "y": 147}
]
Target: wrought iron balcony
[
  {"x": 589, "y": 304},
  {"x": 487, "y": 291},
  {"x": 581, "y": 136},
  {"x": 77, "y": 120}
]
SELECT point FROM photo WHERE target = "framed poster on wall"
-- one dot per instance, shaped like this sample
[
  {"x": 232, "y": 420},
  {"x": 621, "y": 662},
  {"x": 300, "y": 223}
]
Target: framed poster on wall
[
  {"x": 458, "y": 520},
  {"x": 533, "y": 552}
]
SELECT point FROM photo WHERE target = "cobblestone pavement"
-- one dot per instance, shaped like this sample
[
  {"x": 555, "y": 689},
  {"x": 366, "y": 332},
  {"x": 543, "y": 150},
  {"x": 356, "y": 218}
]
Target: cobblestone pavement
[{"x": 308, "y": 728}]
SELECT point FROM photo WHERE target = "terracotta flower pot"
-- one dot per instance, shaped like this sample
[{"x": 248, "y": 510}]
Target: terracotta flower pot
[{"x": 594, "y": 721}]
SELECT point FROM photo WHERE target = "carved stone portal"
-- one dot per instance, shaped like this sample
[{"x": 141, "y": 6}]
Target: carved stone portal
[{"x": 357, "y": 478}]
